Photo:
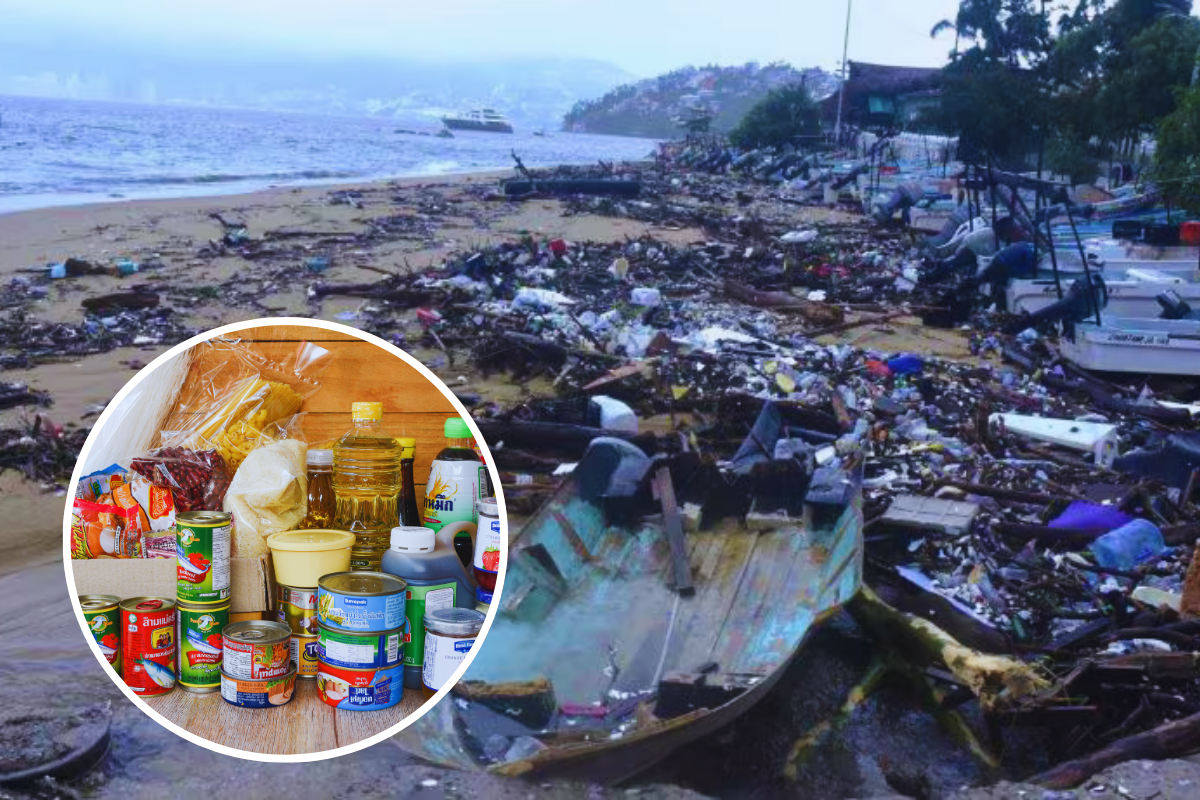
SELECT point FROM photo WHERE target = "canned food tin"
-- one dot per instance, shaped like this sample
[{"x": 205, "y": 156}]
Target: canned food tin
[
  {"x": 201, "y": 646},
  {"x": 361, "y": 601},
  {"x": 360, "y": 689},
  {"x": 256, "y": 650},
  {"x": 202, "y": 555},
  {"x": 148, "y": 645},
  {"x": 264, "y": 693},
  {"x": 104, "y": 621},
  {"x": 298, "y": 610},
  {"x": 450, "y": 634},
  {"x": 361, "y": 650},
  {"x": 305, "y": 651}
]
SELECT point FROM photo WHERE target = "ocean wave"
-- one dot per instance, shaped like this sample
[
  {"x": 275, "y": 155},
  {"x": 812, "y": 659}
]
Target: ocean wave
[
  {"x": 220, "y": 177},
  {"x": 437, "y": 167}
]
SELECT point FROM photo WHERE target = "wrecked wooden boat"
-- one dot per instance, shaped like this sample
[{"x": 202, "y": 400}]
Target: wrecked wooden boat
[{"x": 621, "y": 637}]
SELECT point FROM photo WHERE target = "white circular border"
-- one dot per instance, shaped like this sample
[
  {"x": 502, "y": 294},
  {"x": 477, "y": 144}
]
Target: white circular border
[{"x": 299, "y": 758}]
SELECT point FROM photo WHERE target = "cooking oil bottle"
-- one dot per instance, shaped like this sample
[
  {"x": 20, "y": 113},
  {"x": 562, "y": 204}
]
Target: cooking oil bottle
[
  {"x": 320, "y": 490},
  {"x": 366, "y": 485}
]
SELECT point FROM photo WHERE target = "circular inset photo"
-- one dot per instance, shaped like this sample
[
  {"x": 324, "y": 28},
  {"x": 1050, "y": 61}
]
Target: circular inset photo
[{"x": 285, "y": 538}]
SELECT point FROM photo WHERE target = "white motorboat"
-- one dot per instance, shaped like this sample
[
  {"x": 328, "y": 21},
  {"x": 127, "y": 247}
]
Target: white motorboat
[
  {"x": 1142, "y": 346},
  {"x": 1134, "y": 294}
]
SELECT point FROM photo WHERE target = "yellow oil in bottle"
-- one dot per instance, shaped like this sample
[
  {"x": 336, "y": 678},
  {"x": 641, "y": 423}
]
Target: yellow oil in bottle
[
  {"x": 320, "y": 490},
  {"x": 366, "y": 479}
]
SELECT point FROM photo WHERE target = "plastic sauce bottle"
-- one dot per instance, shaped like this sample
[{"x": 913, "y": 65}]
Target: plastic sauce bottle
[
  {"x": 453, "y": 488},
  {"x": 320, "y": 489},
  {"x": 366, "y": 480},
  {"x": 436, "y": 579},
  {"x": 489, "y": 544},
  {"x": 409, "y": 515}
]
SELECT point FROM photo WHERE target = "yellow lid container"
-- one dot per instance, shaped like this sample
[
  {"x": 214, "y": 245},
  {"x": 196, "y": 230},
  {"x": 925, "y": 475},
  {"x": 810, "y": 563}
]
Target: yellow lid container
[
  {"x": 408, "y": 446},
  {"x": 366, "y": 411},
  {"x": 302, "y": 557}
]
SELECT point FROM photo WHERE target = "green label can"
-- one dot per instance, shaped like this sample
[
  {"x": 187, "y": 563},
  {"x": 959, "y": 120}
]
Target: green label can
[
  {"x": 201, "y": 646},
  {"x": 104, "y": 621},
  {"x": 421, "y": 599},
  {"x": 202, "y": 553}
]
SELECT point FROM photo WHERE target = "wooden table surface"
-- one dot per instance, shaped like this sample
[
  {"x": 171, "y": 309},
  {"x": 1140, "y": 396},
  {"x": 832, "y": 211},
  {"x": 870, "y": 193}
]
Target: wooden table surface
[{"x": 305, "y": 725}]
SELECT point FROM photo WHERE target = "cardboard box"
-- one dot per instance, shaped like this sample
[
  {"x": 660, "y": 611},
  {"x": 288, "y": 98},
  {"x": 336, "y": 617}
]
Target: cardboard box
[
  {"x": 248, "y": 615},
  {"x": 252, "y": 580}
]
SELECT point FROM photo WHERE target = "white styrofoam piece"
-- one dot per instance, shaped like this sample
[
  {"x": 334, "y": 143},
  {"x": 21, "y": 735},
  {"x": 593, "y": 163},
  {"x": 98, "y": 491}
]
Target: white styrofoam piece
[{"x": 1098, "y": 438}]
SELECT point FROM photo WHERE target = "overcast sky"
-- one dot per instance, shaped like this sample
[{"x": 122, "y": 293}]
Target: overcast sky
[{"x": 645, "y": 37}]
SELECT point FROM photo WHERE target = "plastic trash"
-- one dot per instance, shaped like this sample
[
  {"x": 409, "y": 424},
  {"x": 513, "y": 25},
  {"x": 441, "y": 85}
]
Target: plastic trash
[
  {"x": 615, "y": 415},
  {"x": 124, "y": 266},
  {"x": 523, "y": 747},
  {"x": 1134, "y": 543},
  {"x": 539, "y": 299},
  {"x": 646, "y": 296},
  {"x": 58, "y": 271},
  {"x": 1089, "y": 516},
  {"x": 619, "y": 268},
  {"x": 558, "y": 247},
  {"x": 906, "y": 364},
  {"x": 798, "y": 237}
]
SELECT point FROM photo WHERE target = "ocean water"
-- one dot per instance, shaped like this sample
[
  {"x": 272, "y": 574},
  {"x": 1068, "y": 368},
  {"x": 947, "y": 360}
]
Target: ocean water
[{"x": 61, "y": 152}]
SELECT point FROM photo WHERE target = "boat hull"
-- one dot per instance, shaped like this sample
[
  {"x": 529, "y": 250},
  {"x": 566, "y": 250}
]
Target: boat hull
[
  {"x": 1126, "y": 298},
  {"x": 1140, "y": 346},
  {"x": 473, "y": 125}
]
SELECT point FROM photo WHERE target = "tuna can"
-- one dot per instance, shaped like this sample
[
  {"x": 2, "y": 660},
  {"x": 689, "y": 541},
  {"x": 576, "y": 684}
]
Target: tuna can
[
  {"x": 361, "y": 601},
  {"x": 201, "y": 646},
  {"x": 264, "y": 693},
  {"x": 148, "y": 645},
  {"x": 450, "y": 634},
  {"x": 298, "y": 610},
  {"x": 305, "y": 651},
  {"x": 202, "y": 557},
  {"x": 256, "y": 650},
  {"x": 104, "y": 621},
  {"x": 361, "y": 650},
  {"x": 360, "y": 689}
]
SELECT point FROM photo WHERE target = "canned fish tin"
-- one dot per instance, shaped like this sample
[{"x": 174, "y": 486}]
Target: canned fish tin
[
  {"x": 202, "y": 555},
  {"x": 361, "y": 650},
  {"x": 360, "y": 689},
  {"x": 450, "y": 634},
  {"x": 305, "y": 651},
  {"x": 256, "y": 650},
  {"x": 264, "y": 693},
  {"x": 148, "y": 645},
  {"x": 104, "y": 621},
  {"x": 361, "y": 601},
  {"x": 298, "y": 610},
  {"x": 201, "y": 646}
]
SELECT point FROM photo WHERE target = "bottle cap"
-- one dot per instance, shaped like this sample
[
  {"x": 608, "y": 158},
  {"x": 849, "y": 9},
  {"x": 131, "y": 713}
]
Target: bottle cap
[
  {"x": 488, "y": 506},
  {"x": 411, "y": 539},
  {"x": 320, "y": 458},
  {"x": 408, "y": 446},
  {"x": 367, "y": 412},
  {"x": 456, "y": 428}
]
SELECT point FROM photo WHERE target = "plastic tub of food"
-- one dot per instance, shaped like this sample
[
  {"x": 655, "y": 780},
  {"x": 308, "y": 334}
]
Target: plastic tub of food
[{"x": 303, "y": 557}]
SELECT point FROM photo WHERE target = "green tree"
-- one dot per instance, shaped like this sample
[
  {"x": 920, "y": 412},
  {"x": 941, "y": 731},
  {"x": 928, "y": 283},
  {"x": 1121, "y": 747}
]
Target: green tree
[
  {"x": 1177, "y": 157},
  {"x": 779, "y": 118}
]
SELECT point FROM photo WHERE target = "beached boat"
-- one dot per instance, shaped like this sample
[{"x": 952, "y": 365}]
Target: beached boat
[
  {"x": 618, "y": 642},
  {"x": 1135, "y": 294},
  {"x": 1141, "y": 346},
  {"x": 479, "y": 119}
]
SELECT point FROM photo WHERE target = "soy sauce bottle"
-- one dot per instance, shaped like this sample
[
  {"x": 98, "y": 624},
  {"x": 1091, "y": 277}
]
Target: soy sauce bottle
[
  {"x": 453, "y": 488},
  {"x": 409, "y": 515}
]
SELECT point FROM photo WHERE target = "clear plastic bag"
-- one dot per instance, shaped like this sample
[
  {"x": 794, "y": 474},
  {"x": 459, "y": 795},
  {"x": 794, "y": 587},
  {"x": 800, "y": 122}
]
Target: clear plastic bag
[{"x": 269, "y": 493}]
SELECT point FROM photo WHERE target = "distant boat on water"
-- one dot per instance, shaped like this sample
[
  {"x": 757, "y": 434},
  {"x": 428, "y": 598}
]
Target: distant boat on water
[{"x": 480, "y": 119}]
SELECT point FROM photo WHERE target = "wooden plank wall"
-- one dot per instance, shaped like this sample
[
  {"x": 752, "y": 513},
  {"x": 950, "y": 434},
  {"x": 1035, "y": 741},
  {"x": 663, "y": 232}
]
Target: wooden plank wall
[{"x": 359, "y": 371}]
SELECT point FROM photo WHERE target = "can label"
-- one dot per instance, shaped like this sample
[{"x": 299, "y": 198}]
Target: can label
[
  {"x": 201, "y": 646},
  {"x": 105, "y": 625},
  {"x": 450, "y": 493},
  {"x": 148, "y": 647},
  {"x": 489, "y": 539},
  {"x": 259, "y": 693},
  {"x": 298, "y": 610},
  {"x": 202, "y": 568},
  {"x": 360, "y": 689},
  {"x": 255, "y": 661},
  {"x": 305, "y": 652},
  {"x": 443, "y": 656},
  {"x": 376, "y": 613},
  {"x": 356, "y": 651},
  {"x": 419, "y": 600}
]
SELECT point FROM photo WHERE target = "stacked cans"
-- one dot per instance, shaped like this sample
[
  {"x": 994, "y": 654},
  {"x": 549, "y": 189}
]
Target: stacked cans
[
  {"x": 203, "y": 596},
  {"x": 148, "y": 645},
  {"x": 258, "y": 670},
  {"x": 361, "y": 638},
  {"x": 298, "y": 611}
]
